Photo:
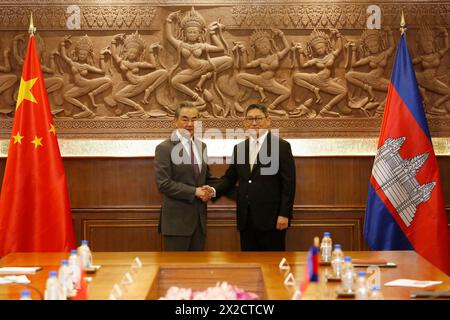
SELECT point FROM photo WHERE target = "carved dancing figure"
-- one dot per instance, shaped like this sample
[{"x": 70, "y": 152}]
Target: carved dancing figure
[
  {"x": 192, "y": 47},
  {"x": 375, "y": 53},
  {"x": 130, "y": 62},
  {"x": 7, "y": 81},
  {"x": 267, "y": 59},
  {"x": 53, "y": 82},
  {"x": 80, "y": 66},
  {"x": 430, "y": 59},
  {"x": 322, "y": 56}
]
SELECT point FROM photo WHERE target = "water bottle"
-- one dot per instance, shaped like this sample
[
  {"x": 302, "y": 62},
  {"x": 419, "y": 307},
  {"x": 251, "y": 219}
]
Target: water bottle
[
  {"x": 361, "y": 290},
  {"x": 85, "y": 255},
  {"x": 337, "y": 260},
  {"x": 347, "y": 275},
  {"x": 52, "y": 288},
  {"x": 25, "y": 295},
  {"x": 74, "y": 264},
  {"x": 376, "y": 293},
  {"x": 65, "y": 278},
  {"x": 326, "y": 247}
]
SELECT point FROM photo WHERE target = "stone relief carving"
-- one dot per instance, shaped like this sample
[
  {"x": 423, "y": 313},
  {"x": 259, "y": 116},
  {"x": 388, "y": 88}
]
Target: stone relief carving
[
  {"x": 430, "y": 58},
  {"x": 304, "y": 61},
  {"x": 374, "y": 52},
  {"x": 196, "y": 53},
  {"x": 267, "y": 59},
  {"x": 321, "y": 54},
  {"x": 7, "y": 81},
  {"x": 92, "y": 17},
  {"x": 130, "y": 62},
  {"x": 81, "y": 65},
  {"x": 52, "y": 79}
]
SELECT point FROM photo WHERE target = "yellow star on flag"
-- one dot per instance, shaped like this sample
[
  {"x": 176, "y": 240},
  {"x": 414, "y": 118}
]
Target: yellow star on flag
[
  {"x": 18, "y": 138},
  {"x": 52, "y": 129},
  {"x": 37, "y": 142},
  {"x": 25, "y": 91}
]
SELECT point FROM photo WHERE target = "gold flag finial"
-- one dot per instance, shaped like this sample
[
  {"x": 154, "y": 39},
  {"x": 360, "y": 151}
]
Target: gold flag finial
[
  {"x": 32, "y": 28},
  {"x": 403, "y": 24}
]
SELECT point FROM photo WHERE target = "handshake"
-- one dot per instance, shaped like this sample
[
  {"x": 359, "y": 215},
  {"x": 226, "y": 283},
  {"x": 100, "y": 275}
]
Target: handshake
[{"x": 205, "y": 193}]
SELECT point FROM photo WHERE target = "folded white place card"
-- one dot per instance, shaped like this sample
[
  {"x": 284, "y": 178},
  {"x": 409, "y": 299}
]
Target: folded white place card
[
  {"x": 289, "y": 280},
  {"x": 126, "y": 279},
  {"x": 297, "y": 295},
  {"x": 19, "y": 270},
  {"x": 284, "y": 265},
  {"x": 412, "y": 283},
  {"x": 14, "y": 279},
  {"x": 116, "y": 293},
  {"x": 137, "y": 264}
]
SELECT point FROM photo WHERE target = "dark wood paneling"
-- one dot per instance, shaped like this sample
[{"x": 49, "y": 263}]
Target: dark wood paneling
[
  {"x": 222, "y": 233},
  {"x": 117, "y": 229},
  {"x": 111, "y": 182},
  {"x": 115, "y": 203},
  {"x": 345, "y": 227}
]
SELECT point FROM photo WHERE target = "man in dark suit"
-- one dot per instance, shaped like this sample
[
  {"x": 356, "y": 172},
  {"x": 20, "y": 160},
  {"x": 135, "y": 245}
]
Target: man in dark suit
[
  {"x": 264, "y": 169},
  {"x": 181, "y": 171}
]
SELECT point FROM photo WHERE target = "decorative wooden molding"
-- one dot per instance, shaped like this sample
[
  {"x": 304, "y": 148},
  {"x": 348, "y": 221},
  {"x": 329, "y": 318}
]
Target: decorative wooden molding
[
  {"x": 92, "y": 17},
  {"x": 219, "y": 149}
]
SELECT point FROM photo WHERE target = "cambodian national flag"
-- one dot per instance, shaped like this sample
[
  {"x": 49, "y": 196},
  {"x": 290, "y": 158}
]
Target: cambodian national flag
[
  {"x": 311, "y": 269},
  {"x": 405, "y": 203}
]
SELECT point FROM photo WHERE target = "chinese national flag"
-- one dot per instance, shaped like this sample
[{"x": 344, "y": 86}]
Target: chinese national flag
[{"x": 34, "y": 204}]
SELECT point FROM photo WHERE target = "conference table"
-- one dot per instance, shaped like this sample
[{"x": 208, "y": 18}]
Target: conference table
[{"x": 256, "y": 272}]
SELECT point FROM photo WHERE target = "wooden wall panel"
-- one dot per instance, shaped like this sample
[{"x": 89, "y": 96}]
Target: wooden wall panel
[
  {"x": 115, "y": 203},
  {"x": 111, "y": 182},
  {"x": 345, "y": 228},
  {"x": 112, "y": 229}
]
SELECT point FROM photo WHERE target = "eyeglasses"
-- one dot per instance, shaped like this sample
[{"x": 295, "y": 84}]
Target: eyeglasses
[{"x": 256, "y": 119}]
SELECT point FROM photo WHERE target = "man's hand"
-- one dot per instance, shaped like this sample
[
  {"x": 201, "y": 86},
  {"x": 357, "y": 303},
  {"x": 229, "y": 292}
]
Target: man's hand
[
  {"x": 210, "y": 190},
  {"x": 282, "y": 223},
  {"x": 205, "y": 193}
]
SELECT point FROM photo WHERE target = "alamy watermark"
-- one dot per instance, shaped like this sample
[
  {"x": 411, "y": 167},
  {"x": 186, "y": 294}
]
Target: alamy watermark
[
  {"x": 374, "y": 18},
  {"x": 73, "y": 22},
  {"x": 268, "y": 157}
]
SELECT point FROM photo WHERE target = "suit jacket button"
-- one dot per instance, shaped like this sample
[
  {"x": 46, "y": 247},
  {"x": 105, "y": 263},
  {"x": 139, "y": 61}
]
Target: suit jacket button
[{"x": 249, "y": 181}]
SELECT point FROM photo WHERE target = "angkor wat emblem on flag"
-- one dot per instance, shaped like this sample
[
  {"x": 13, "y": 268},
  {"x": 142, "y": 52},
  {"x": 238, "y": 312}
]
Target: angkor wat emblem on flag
[{"x": 397, "y": 178}]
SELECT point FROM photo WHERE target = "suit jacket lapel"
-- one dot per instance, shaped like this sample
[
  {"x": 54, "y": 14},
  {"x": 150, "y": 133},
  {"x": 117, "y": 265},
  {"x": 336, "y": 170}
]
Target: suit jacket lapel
[{"x": 247, "y": 159}]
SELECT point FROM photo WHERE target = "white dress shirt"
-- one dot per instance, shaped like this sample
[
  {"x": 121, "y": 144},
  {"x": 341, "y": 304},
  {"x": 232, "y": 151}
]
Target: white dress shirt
[{"x": 254, "y": 147}]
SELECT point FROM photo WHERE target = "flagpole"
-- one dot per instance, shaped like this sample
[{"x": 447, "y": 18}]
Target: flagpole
[{"x": 32, "y": 28}]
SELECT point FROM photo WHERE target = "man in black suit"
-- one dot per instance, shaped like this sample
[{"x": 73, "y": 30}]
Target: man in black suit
[{"x": 264, "y": 168}]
